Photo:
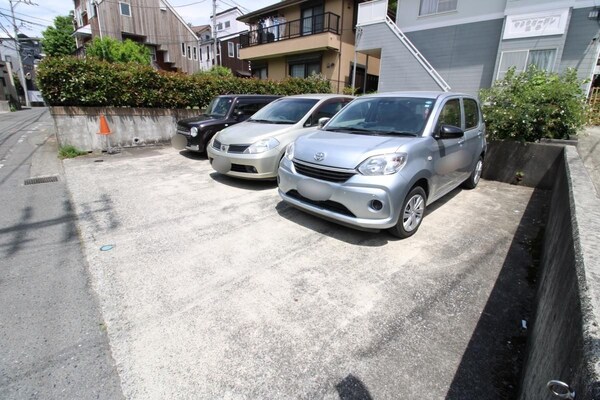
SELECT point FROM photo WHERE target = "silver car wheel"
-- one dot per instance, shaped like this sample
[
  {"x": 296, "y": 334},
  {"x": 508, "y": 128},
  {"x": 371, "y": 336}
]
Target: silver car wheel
[
  {"x": 413, "y": 213},
  {"x": 478, "y": 169}
]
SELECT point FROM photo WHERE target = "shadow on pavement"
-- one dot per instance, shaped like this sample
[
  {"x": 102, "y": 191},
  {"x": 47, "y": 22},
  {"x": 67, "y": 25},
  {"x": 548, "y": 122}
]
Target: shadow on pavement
[
  {"x": 490, "y": 367},
  {"x": 239, "y": 183},
  {"x": 351, "y": 388}
]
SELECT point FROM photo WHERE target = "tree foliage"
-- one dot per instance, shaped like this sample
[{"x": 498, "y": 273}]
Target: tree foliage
[
  {"x": 534, "y": 104},
  {"x": 57, "y": 39},
  {"x": 70, "y": 81},
  {"x": 113, "y": 50}
]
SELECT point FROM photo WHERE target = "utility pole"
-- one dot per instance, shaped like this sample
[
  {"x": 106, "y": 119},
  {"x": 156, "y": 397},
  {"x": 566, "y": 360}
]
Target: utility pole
[
  {"x": 214, "y": 29},
  {"x": 18, "y": 46}
]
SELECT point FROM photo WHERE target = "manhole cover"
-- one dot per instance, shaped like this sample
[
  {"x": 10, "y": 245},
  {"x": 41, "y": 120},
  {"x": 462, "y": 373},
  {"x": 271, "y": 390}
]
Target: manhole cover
[{"x": 41, "y": 179}]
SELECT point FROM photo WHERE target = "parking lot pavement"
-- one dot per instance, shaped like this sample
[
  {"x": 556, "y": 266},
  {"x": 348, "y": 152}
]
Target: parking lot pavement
[{"x": 216, "y": 289}]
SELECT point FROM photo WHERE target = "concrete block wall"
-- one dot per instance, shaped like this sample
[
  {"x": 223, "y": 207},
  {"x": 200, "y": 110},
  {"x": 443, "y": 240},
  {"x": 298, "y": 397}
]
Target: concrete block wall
[
  {"x": 79, "y": 126},
  {"x": 564, "y": 342}
]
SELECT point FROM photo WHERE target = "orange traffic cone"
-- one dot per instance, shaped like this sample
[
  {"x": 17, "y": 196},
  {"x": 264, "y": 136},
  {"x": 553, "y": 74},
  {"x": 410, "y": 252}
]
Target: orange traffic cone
[{"x": 104, "y": 129}]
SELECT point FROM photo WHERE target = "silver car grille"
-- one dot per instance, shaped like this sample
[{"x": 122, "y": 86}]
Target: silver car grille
[
  {"x": 323, "y": 173},
  {"x": 231, "y": 148}
]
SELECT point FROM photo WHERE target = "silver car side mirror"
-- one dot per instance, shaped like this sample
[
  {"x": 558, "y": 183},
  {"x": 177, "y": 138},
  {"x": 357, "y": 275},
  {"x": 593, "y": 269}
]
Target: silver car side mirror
[{"x": 323, "y": 121}]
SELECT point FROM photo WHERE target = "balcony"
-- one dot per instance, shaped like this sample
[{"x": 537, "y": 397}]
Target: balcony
[{"x": 311, "y": 33}]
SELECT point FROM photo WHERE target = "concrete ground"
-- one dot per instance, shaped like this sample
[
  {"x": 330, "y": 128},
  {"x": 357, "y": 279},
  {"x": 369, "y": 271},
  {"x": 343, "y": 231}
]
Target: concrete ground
[{"x": 213, "y": 288}]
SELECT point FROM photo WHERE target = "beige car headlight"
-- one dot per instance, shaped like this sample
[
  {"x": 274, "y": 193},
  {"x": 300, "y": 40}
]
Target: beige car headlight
[{"x": 261, "y": 146}]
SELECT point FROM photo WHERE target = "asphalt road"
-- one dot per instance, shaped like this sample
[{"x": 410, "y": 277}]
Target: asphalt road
[
  {"x": 53, "y": 343},
  {"x": 213, "y": 288}
]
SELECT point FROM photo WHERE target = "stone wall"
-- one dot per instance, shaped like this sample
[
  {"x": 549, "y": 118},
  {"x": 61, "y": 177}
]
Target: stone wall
[{"x": 79, "y": 126}]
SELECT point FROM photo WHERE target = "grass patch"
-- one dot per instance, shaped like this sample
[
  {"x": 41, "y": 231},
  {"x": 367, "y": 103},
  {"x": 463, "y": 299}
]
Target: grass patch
[{"x": 70, "y": 152}]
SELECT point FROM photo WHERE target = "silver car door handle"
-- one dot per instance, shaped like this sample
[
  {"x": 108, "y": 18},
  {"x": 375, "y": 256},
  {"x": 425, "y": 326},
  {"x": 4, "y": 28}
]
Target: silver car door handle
[{"x": 461, "y": 141}]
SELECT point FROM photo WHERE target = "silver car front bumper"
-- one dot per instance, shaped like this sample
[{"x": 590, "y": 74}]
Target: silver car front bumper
[{"x": 353, "y": 202}]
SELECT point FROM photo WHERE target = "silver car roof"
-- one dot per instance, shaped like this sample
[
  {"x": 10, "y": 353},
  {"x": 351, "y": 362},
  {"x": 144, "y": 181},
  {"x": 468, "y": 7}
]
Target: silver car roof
[{"x": 419, "y": 94}]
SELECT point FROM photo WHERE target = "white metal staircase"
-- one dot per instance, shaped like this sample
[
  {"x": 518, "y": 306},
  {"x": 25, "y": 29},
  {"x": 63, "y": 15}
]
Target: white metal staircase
[
  {"x": 376, "y": 12},
  {"x": 417, "y": 54}
]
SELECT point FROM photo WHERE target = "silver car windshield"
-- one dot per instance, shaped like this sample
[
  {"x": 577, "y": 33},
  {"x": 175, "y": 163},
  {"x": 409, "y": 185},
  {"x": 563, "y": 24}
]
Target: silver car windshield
[
  {"x": 402, "y": 116},
  {"x": 284, "y": 111},
  {"x": 218, "y": 107}
]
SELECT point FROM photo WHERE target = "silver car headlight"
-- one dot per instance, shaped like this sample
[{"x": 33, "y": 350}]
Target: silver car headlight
[
  {"x": 289, "y": 151},
  {"x": 194, "y": 131},
  {"x": 261, "y": 146},
  {"x": 385, "y": 164}
]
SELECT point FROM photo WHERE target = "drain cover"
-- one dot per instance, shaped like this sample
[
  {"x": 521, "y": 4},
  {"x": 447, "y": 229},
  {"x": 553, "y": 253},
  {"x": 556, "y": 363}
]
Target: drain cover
[{"x": 41, "y": 179}]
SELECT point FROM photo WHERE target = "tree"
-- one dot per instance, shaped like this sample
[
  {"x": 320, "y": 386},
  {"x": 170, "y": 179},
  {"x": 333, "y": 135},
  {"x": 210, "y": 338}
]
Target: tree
[
  {"x": 57, "y": 39},
  {"x": 112, "y": 50}
]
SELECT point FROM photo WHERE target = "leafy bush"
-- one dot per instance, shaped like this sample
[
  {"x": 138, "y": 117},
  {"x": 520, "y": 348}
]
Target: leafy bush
[
  {"x": 534, "y": 104},
  {"x": 217, "y": 70},
  {"x": 70, "y": 81},
  {"x": 113, "y": 50}
]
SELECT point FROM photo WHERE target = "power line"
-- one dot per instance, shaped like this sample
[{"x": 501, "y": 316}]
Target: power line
[
  {"x": 22, "y": 20},
  {"x": 29, "y": 16}
]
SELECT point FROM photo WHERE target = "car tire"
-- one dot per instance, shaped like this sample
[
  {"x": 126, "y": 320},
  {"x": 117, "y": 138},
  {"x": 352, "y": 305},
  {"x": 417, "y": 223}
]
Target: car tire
[
  {"x": 411, "y": 214},
  {"x": 475, "y": 176}
]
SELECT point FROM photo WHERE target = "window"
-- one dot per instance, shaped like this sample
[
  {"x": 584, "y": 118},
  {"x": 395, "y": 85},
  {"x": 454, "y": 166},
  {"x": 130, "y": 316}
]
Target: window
[
  {"x": 471, "y": 114},
  {"x": 429, "y": 7},
  {"x": 237, "y": 50},
  {"x": 183, "y": 49},
  {"x": 543, "y": 59},
  {"x": 450, "y": 114},
  {"x": 326, "y": 110},
  {"x": 305, "y": 70},
  {"x": 220, "y": 26},
  {"x": 200, "y": 53},
  {"x": 521, "y": 59},
  {"x": 8, "y": 59},
  {"x": 125, "y": 9},
  {"x": 227, "y": 24},
  {"x": 248, "y": 107},
  {"x": 230, "y": 49},
  {"x": 207, "y": 53},
  {"x": 260, "y": 72},
  {"x": 189, "y": 52},
  {"x": 91, "y": 7},
  {"x": 195, "y": 53}
]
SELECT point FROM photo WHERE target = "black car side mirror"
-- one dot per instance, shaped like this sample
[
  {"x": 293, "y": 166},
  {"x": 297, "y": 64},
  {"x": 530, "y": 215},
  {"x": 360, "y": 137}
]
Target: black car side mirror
[
  {"x": 449, "y": 132},
  {"x": 238, "y": 115}
]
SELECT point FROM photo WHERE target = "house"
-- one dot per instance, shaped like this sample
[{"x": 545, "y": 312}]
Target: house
[
  {"x": 465, "y": 45},
  {"x": 301, "y": 37},
  {"x": 172, "y": 43},
  {"x": 205, "y": 47},
  {"x": 228, "y": 34},
  {"x": 31, "y": 52},
  {"x": 228, "y": 29}
]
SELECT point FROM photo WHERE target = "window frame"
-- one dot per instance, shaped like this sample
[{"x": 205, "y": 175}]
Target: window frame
[
  {"x": 464, "y": 108},
  {"x": 437, "y": 12},
  {"x": 195, "y": 52},
  {"x": 438, "y": 123},
  {"x": 183, "y": 49},
  {"x": 528, "y": 51},
  {"x": 230, "y": 50},
  {"x": 237, "y": 50},
  {"x": 189, "y": 52},
  {"x": 121, "y": 3}
]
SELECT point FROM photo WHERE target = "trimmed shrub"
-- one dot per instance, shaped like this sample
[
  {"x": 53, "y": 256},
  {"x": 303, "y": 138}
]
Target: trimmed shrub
[
  {"x": 70, "y": 81},
  {"x": 534, "y": 104}
]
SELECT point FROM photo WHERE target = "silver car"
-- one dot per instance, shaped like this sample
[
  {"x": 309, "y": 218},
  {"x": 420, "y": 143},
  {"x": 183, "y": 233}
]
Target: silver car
[
  {"x": 384, "y": 157},
  {"x": 253, "y": 149}
]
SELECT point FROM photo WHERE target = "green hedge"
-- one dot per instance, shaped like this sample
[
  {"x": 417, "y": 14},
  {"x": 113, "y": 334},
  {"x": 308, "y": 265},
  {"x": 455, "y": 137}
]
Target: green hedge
[{"x": 70, "y": 81}]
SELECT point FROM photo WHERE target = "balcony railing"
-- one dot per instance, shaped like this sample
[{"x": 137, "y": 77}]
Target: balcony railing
[{"x": 327, "y": 22}]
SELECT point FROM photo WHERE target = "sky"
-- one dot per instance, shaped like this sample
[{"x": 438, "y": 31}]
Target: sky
[{"x": 34, "y": 18}]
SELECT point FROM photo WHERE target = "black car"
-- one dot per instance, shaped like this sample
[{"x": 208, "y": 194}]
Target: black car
[{"x": 223, "y": 111}]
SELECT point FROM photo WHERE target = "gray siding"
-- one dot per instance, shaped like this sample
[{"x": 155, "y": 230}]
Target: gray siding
[
  {"x": 463, "y": 54},
  {"x": 399, "y": 69},
  {"x": 580, "y": 50}
]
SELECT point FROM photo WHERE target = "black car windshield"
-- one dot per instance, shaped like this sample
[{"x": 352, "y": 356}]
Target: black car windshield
[
  {"x": 218, "y": 107},
  {"x": 394, "y": 116},
  {"x": 284, "y": 111}
]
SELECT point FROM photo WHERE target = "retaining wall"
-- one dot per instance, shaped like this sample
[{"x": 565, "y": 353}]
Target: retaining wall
[
  {"x": 564, "y": 341},
  {"x": 79, "y": 126}
]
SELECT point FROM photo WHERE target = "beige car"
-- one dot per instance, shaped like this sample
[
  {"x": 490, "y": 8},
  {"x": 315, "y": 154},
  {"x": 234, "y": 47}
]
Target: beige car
[{"x": 253, "y": 149}]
